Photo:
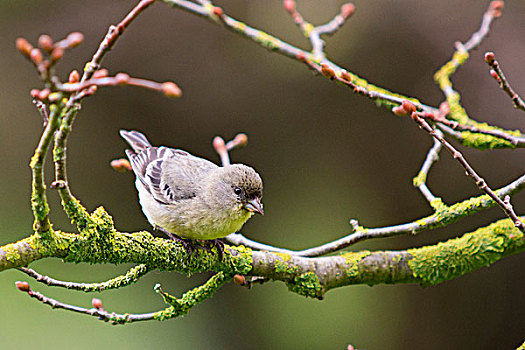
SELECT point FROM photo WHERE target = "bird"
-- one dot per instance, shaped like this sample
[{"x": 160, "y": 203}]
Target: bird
[{"x": 190, "y": 198}]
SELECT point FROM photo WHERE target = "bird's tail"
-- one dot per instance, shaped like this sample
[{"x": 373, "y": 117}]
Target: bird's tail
[{"x": 136, "y": 140}]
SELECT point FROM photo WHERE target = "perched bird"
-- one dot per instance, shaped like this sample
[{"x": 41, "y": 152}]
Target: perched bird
[{"x": 188, "y": 197}]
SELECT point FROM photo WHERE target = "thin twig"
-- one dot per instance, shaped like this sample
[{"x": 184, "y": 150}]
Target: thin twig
[
  {"x": 178, "y": 306},
  {"x": 114, "y": 32},
  {"x": 498, "y": 75},
  {"x": 460, "y": 56},
  {"x": 168, "y": 88},
  {"x": 421, "y": 178},
  {"x": 313, "y": 33},
  {"x": 493, "y": 12},
  {"x": 222, "y": 148},
  {"x": 446, "y": 216},
  {"x": 72, "y": 106},
  {"x": 480, "y": 182},
  {"x": 42, "y": 109},
  {"x": 132, "y": 276},
  {"x": 38, "y": 196},
  {"x": 441, "y": 120},
  {"x": 100, "y": 313},
  {"x": 359, "y": 85}
]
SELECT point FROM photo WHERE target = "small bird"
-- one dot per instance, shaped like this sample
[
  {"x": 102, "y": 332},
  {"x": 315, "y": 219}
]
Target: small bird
[{"x": 188, "y": 197}]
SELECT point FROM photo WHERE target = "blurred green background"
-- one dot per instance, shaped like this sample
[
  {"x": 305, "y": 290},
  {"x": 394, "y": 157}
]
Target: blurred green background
[{"x": 325, "y": 155}]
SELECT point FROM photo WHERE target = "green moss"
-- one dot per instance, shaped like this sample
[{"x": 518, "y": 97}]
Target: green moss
[
  {"x": 438, "y": 205},
  {"x": 468, "y": 206},
  {"x": 352, "y": 261},
  {"x": 307, "y": 29},
  {"x": 420, "y": 179},
  {"x": 422, "y": 222},
  {"x": 443, "y": 74},
  {"x": 268, "y": 41},
  {"x": 101, "y": 217},
  {"x": 283, "y": 268},
  {"x": 237, "y": 260},
  {"x": 181, "y": 306},
  {"x": 281, "y": 265},
  {"x": 483, "y": 141},
  {"x": 456, "y": 257},
  {"x": 12, "y": 254},
  {"x": 77, "y": 213},
  {"x": 284, "y": 256},
  {"x": 307, "y": 284}
]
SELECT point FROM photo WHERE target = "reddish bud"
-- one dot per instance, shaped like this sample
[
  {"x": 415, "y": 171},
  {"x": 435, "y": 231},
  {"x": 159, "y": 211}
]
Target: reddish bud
[
  {"x": 34, "y": 93},
  {"x": 171, "y": 89},
  {"x": 301, "y": 56},
  {"x": 494, "y": 74},
  {"x": 289, "y": 5},
  {"x": 24, "y": 47},
  {"x": 97, "y": 303},
  {"x": 46, "y": 43},
  {"x": 327, "y": 71},
  {"x": 414, "y": 116},
  {"x": 217, "y": 11},
  {"x": 74, "y": 76},
  {"x": 36, "y": 56},
  {"x": 497, "y": 5},
  {"x": 57, "y": 54},
  {"x": 75, "y": 39},
  {"x": 489, "y": 57},
  {"x": 101, "y": 73},
  {"x": 44, "y": 94},
  {"x": 240, "y": 140},
  {"x": 444, "y": 108},
  {"x": 346, "y": 76},
  {"x": 408, "y": 106},
  {"x": 399, "y": 111},
  {"x": 122, "y": 78},
  {"x": 91, "y": 90},
  {"x": 428, "y": 115},
  {"x": 218, "y": 143},
  {"x": 22, "y": 286},
  {"x": 347, "y": 10},
  {"x": 495, "y": 8},
  {"x": 239, "y": 280},
  {"x": 121, "y": 165}
]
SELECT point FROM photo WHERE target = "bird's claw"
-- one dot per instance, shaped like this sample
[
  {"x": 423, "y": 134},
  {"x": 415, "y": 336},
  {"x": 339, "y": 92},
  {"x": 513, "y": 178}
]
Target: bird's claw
[{"x": 190, "y": 244}]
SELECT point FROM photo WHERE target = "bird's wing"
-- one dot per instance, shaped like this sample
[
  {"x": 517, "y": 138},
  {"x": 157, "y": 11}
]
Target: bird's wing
[
  {"x": 169, "y": 175},
  {"x": 136, "y": 140}
]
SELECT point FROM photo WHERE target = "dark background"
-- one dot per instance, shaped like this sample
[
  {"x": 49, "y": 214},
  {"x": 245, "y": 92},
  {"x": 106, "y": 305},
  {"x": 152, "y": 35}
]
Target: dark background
[{"x": 325, "y": 155}]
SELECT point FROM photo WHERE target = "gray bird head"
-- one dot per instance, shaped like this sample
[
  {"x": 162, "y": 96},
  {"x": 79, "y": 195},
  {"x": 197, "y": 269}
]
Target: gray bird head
[{"x": 238, "y": 187}]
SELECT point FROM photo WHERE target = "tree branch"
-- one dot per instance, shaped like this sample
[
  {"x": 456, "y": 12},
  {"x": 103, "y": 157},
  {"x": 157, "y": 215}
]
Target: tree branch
[
  {"x": 311, "y": 277},
  {"x": 132, "y": 276}
]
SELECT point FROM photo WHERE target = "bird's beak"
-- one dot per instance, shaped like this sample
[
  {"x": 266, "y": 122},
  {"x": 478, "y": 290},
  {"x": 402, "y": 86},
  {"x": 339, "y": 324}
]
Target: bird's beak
[{"x": 254, "y": 206}]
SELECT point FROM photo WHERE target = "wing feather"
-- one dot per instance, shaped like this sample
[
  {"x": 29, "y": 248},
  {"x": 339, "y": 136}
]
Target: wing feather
[{"x": 169, "y": 175}]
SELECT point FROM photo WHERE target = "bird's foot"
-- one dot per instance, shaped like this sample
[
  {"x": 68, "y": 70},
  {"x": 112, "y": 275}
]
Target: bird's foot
[
  {"x": 186, "y": 243},
  {"x": 190, "y": 244},
  {"x": 219, "y": 244},
  {"x": 209, "y": 244}
]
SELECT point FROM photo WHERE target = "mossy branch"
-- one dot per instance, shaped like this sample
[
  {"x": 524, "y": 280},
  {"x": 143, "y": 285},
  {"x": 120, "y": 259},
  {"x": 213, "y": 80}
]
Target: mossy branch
[{"x": 311, "y": 277}]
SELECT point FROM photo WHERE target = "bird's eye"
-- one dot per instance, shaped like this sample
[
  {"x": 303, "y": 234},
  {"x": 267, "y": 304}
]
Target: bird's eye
[{"x": 237, "y": 191}]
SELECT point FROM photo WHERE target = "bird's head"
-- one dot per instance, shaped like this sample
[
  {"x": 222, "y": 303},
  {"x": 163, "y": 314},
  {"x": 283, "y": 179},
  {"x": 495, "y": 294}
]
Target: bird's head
[{"x": 240, "y": 187}]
